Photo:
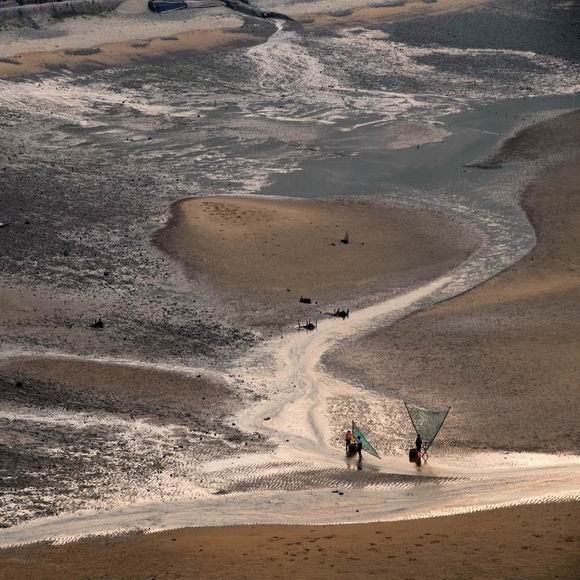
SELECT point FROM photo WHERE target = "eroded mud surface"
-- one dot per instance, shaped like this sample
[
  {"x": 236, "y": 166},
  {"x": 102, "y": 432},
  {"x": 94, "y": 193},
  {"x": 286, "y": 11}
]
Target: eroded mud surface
[{"x": 80, "y": 434}]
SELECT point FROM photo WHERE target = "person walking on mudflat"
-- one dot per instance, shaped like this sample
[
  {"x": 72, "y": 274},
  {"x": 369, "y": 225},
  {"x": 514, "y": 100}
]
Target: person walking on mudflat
[
  {"x": 348, "y": 439},
  {"x": 418, "y": 443}
]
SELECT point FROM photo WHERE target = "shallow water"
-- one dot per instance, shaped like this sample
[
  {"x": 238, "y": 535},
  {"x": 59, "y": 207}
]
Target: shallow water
[{"x": 382, "y": 110}]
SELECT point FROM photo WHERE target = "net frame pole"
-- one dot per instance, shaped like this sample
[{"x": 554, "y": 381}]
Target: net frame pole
[{"x": 410, "y": 417}]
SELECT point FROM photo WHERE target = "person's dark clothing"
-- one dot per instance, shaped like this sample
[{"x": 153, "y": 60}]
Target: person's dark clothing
[
  {"x": 418, "y": 443},
  {"x": 359, "y": 448}
]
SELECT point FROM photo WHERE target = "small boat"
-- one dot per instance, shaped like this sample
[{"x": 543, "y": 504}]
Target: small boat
[{"x": 159, "y": 6}]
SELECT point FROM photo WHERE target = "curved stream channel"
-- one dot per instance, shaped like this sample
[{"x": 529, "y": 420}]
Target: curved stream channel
[
  {"x": 306, "y": 470},
  {"x": 340, "y": 126}
]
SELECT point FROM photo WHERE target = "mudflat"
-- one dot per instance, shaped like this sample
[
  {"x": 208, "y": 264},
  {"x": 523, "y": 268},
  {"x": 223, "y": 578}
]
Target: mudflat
[
  {"x": 110, "y": 431},
  {"x": 273, "y": 251},
  {"x": 94, "y": 41},
  {"x": 537, "y": 541},
  {"x": 504, "y": 355}
]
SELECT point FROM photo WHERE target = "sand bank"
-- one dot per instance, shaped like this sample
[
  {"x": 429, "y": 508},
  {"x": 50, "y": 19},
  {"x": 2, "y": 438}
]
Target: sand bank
[
  {"x": 152, "y": 386},
  {"x": 524, "y": 542},
  {"x": 91, "y": 49},
  {"x": 505, "y": 355},
  {"x": 266, "y": 253},
  {"x": 360, "y": 14}
]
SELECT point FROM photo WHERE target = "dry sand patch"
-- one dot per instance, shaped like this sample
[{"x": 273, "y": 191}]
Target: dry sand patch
[
  {"x": 371, "y": 12},
  {"x": 138, "y": 383},
  {"x": 28, "y": 58},
  {"x": 272, "y": 251}
]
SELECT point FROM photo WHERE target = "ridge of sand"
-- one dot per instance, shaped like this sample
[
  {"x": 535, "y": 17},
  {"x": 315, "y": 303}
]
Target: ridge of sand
[{"x": 25, "y": 58}]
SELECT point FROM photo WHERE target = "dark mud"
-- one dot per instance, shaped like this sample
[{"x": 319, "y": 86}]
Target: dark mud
[
  {"x": 78, "y": 248},
  {"x": 76, "y": 434}
]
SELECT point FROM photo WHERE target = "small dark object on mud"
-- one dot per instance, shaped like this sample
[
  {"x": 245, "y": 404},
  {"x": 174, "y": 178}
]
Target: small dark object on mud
[
  {"x": 267, "y": 418},
  {"x": 98, "y": 324},
  {"x": 338, "y": 313},
  {"x": 483, "y": 165},
  {"x": 83, "y": 51},
  {"x": 9, "y": 61},
  {"x": 305, "y": 300},
  {"x": 308, "y": 326},
  {"x": 345, "y": 240}
]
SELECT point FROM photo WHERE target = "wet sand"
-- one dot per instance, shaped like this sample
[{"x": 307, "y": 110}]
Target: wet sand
[
  {"x": 63, "y": 379},
  {"x": 504, "y": 355},
  {"x": 77, "y": 433},
  {"x": 103, "y": 54},
  {"x": 539, "y": 541},
  {"x": 397, "y": 9},
  {"x": 266, "y": 253},
  {"x": 93, "y": 41}
]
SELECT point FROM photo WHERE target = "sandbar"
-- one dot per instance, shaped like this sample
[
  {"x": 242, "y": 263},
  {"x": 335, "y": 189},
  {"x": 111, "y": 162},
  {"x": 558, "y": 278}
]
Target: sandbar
[{"x": 266, "y": 253}]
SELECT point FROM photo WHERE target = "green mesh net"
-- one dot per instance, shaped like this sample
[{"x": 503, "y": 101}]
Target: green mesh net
[
  {"x": 366, "y": 445},
  {"x": 427, "y": 422}
]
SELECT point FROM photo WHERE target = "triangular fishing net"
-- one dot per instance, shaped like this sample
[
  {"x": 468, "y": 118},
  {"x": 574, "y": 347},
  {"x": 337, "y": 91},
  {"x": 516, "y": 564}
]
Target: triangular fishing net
[
  {"x": 427, "y": 422},
  {"x": 366, "y": 444}
]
